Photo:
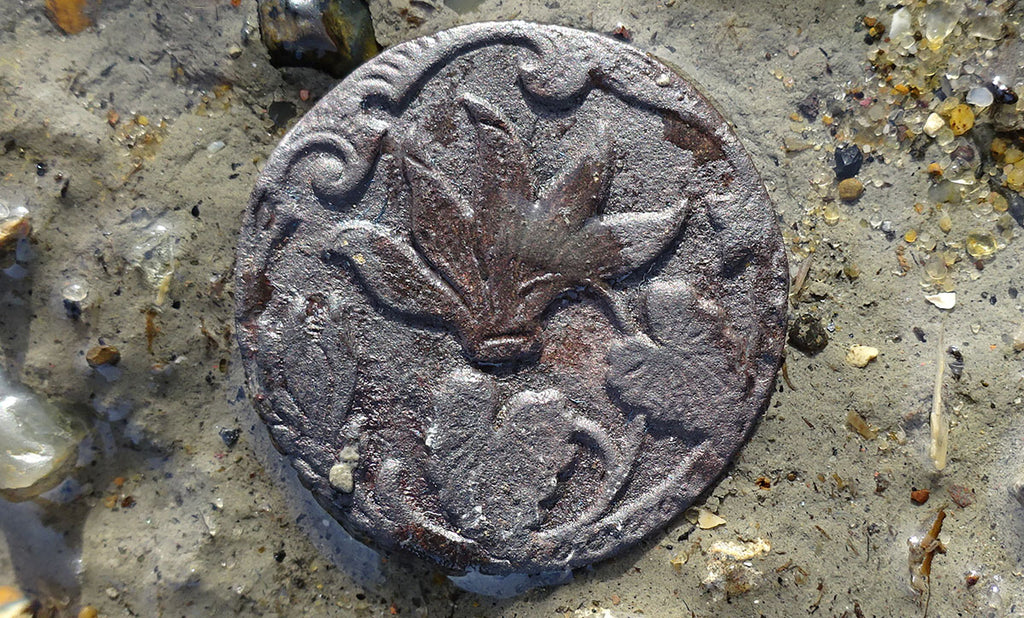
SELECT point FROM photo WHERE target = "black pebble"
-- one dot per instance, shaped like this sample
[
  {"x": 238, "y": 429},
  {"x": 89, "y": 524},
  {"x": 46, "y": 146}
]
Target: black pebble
[
  {"x": 1002, "y": 94},
  {"x": 807, "y": 334},
  {"x": 279, "y": 556},
  {"x": 848, "y": 161},
  {"x": 72, "y": 309},
  {"x": 230, "y": 436},
  {"x": 281, "y": 112}
]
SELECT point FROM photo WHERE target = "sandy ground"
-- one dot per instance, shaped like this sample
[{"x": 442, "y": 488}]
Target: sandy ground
[{"x": 161, "y": 517}]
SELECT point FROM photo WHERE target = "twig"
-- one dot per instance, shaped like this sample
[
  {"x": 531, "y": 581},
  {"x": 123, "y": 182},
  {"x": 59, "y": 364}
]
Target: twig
[
  {"x": 785, "y": 376},
  {"x": 920, "y": 559},
  {"x": 800, "y": 279},
  {"x": 940, "y": 428}
]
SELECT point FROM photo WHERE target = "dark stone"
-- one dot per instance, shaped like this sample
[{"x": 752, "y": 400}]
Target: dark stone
[
  {"x": 848, "y": 161},
  {"x": 808, "y": 335},
  {"x": 1015, "y": 205},
  {"x": 809, "y": 106},
  {"x": 72, "y": 309},
  {"x": 919, "y": 333},
  {"x": 280, "y": 112},
  {"x": 1002, "y": 93},
  {"x": 230, "y": 436},
  {"x": 334, "y": 36},
  {"x": 472, "y": 313}
]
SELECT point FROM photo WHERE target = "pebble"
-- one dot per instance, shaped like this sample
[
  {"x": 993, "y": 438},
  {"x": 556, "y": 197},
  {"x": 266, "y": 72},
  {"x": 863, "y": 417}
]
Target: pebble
[
  {"x": 1002, "y": 93},
  {"x": 1015, "y": 177},
  {"x": 861, "y": 355},
  {"x": 850, "y": 189},
  {"x": 88, "y": 612},
  {"x": 848, "y": 161},
  {"x": 980, "y": 97},
  {"x": 902, "y": 22},
  {"x": 12, "y": 231},
  {"x": 933, "y": 124},
  {"x": 29, "y": 424},
  {"x": 333, "y": 36},
  {"x": 807, "y": 334},
  {"x": 920, "y": 496},
  {"x": 103, "y": 355},
  {"x": 341, "y": 474},
  {"x": 980, "y": 244},
  {"x": 75, "y": 291},
  {"x": 961, "y": 119},
  {"x": 215, "y": 147},
  {"x": 13, "y": 603},
  {"x": 230, "y": 436}
]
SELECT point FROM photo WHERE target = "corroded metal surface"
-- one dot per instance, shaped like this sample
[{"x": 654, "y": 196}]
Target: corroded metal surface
[{"x": 510, "y": 297}]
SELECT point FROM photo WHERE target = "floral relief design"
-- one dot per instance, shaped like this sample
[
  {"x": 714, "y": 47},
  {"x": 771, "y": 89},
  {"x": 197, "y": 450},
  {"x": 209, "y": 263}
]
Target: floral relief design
[
  {"x": 498, "y": 466},
  {"x": 689, "y": 378},
  {"x": 490, "y": 265}
]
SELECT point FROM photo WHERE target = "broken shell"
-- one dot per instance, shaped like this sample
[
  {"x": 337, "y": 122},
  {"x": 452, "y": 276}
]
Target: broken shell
[
  {"x": 703, "y": 518},
  {"x": 942, "y": 300}
]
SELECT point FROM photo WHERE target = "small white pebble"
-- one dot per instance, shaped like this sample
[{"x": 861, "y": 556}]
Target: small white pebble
[
  {"x": 933, "y": 125},
  {"x": 216, "y": 146},
  {"x": 663, "y": 80}
]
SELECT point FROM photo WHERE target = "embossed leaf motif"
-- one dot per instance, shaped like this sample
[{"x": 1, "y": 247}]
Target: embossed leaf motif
[
  {"x": 492, "y": 264},
  {"x": 689, "y": 377},
  {"x": 495, "y": 465}
]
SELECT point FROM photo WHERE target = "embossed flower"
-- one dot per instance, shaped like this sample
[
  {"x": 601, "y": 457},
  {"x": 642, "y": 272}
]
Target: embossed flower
[{"x": 492, "y": 264}]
